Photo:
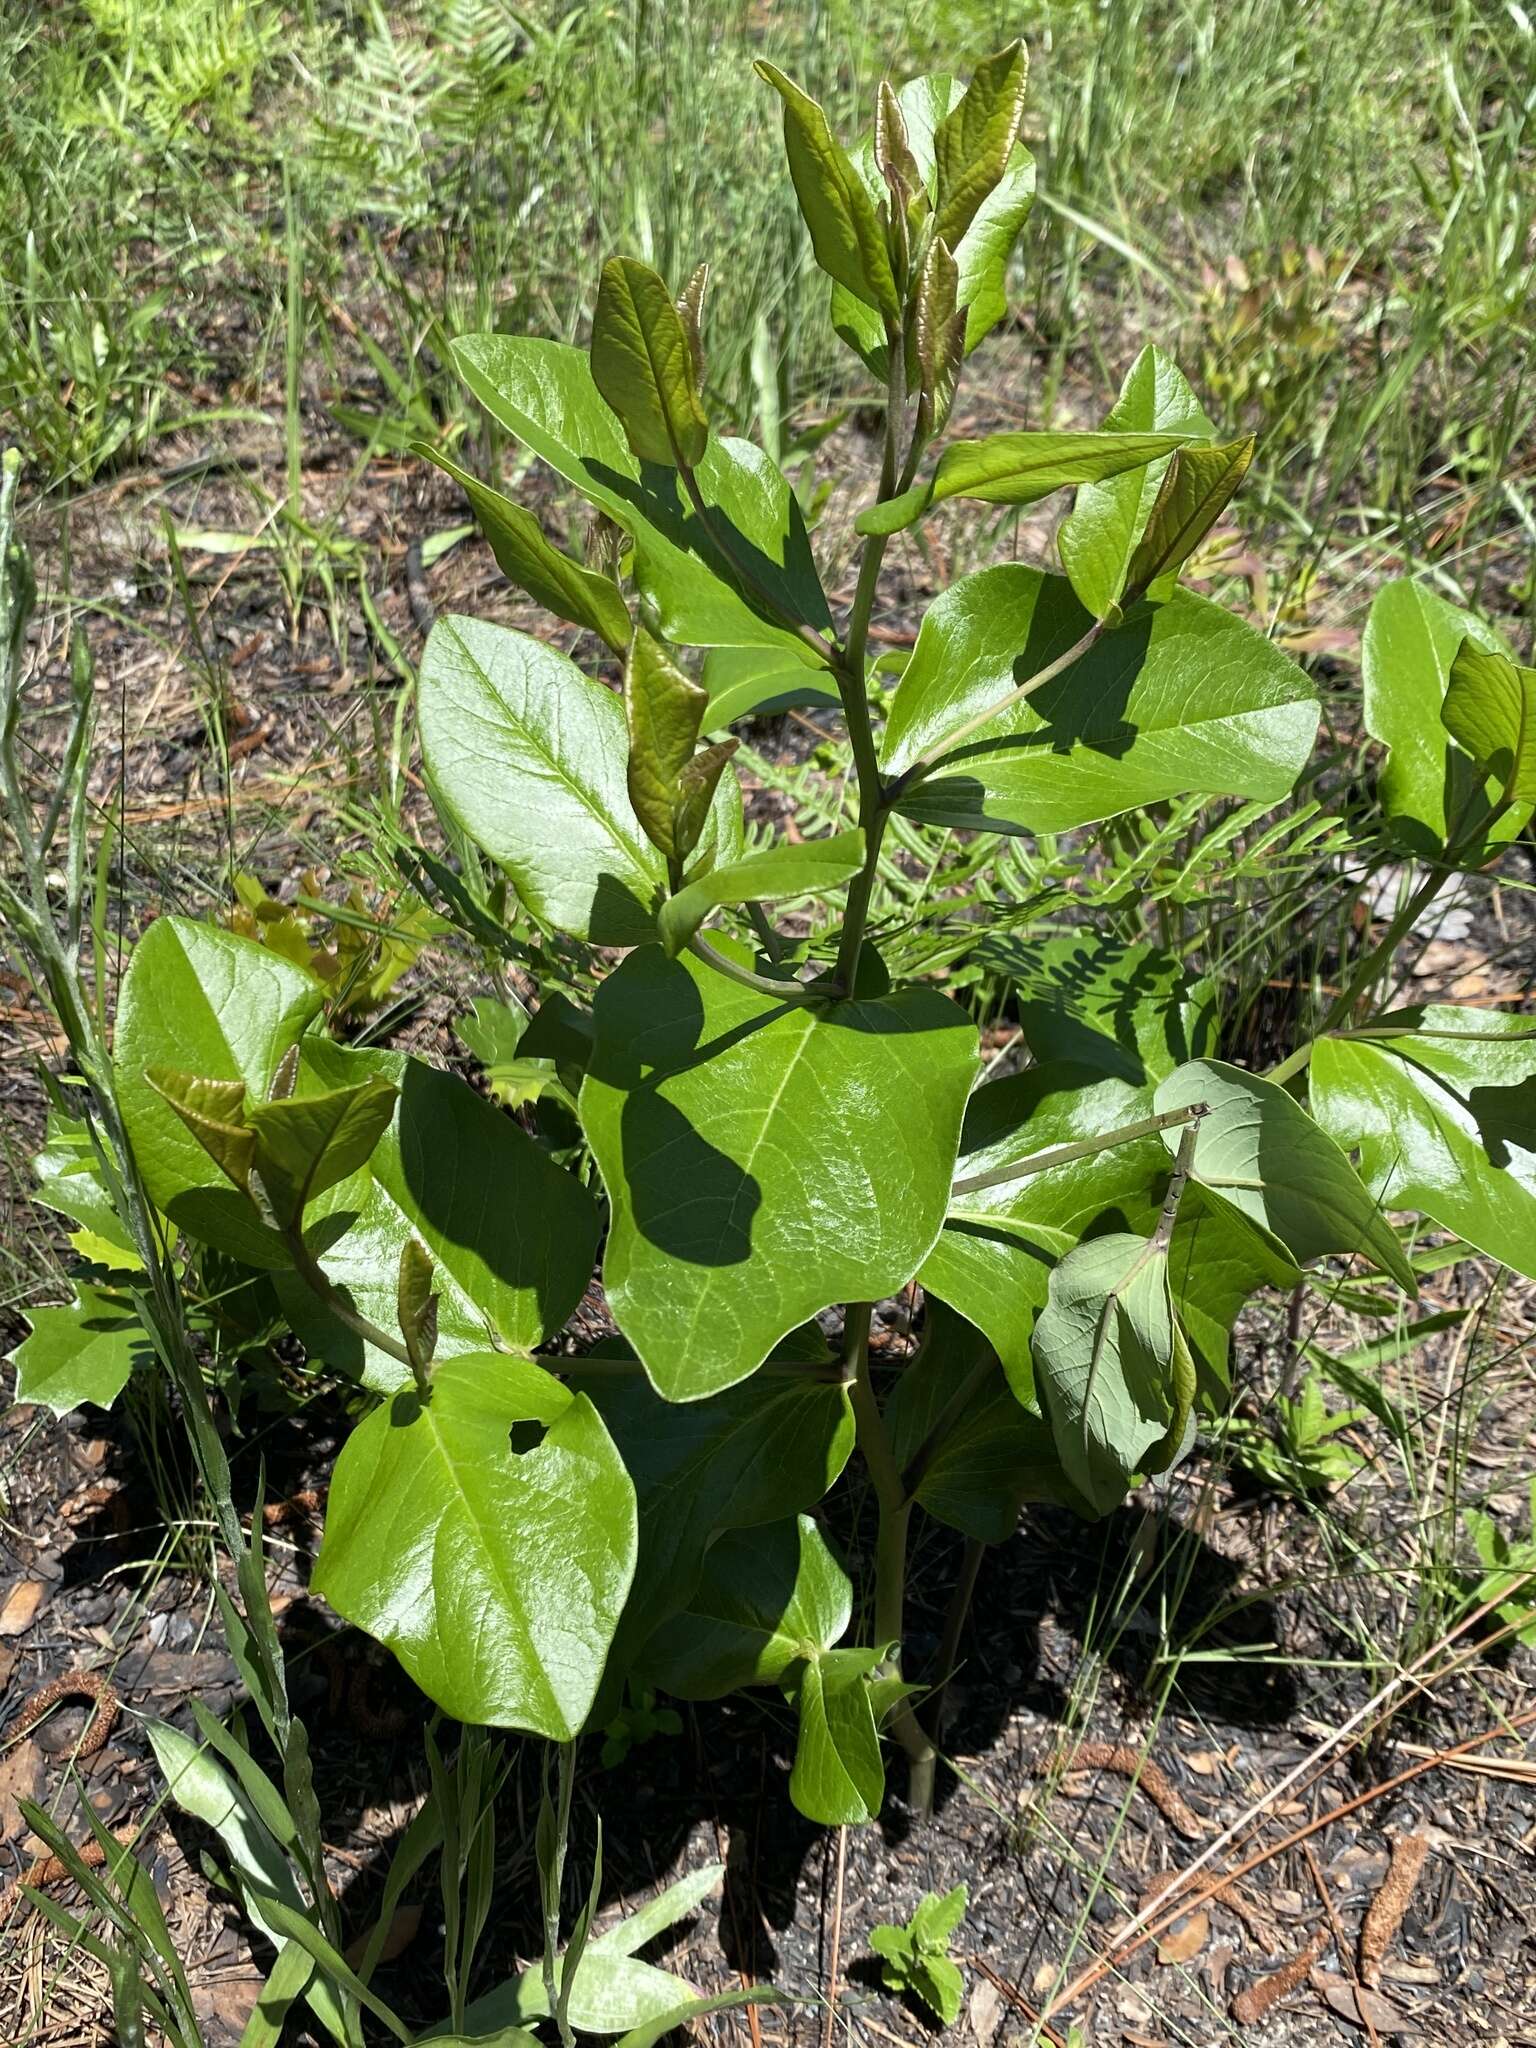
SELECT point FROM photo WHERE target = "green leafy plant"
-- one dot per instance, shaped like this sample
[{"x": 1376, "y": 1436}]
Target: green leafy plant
[
  {"x": 778, "y": 1126},
  {"x": 1306, "y": 1448},
  {"x": 916, "y": 1957}
]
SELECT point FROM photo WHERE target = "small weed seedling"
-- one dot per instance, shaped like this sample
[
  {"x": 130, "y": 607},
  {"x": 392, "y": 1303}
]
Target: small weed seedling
[{"x": 916, "y": 1957}]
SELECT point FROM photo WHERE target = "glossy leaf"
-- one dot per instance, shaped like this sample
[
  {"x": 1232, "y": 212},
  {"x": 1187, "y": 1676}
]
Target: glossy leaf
[
  {"x": 974, "y": 143},
  {"x": 838, "y": 1777},
  {"x": 845, "y": 230},
  {"x": 1490, "y": 712},
  {"x": 306, "y": 1144},
  {"x": 1411, "y": 639},
  {"x": 755, "y": 682},
  {"x": 700, "y": 782},
  {"x": 1198, "y": 485},
  {"x": 642, "y": 363},
  {"x": 805, "y": 1160},
  {"x": 764, "y": 1450},
  {"x": 1442, "y": 1108},
  {"x": 1017, "y": 469},
  {"x": 70, "y": 1181},
  {"x": 525, "y": 554},
  {"x": 690, "y": 569},
  {"x": 496, "y": 1576},
  {"x": 767, "y": 1598},
  {"x": 84, "y": 1351},
  {"x": 813, "y": 867},
  {"x": 204, "y": 1002},
  {"x": 939, "y": 327},
  {"x": 1104, "y": 1365},
  {"x": 530, "y": 757},
  {"x": 1099, "y": 539},
  {"x": 610, "y": 1993},
  {"x": 1181, "y": 698},
  {"x": 1259, "y": 1152},
  {"x": 214, "y": 1112},
  {"x": 507, "y": 1270}
]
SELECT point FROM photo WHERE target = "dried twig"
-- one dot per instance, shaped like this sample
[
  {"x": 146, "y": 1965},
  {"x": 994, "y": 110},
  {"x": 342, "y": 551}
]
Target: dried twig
[
  {"x": 85, "y": 1685},
  {"x": 835, "y": 1963},
  {"x": 1339, "y": 1942},
  {"x": 1389, "y": 1905},
  {"x": 1262, "y": 1997},
  {"x": 1147, "y": 1777}
]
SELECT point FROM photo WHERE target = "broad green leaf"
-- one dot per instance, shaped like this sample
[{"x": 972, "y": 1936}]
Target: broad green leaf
[
  {"x": 762, "y": 1159},
  {"x": 837, "y": 1778},
  {"x": 1411, "y": 639},
  {"x": 496, "y": 1576},
  {"x": 1490, "y": 711},
  {"x": 1198, "y": 485},
  {"x": 306, "y": 1144},
  {"x": 609, "y": 1994},
  {"x": 493, "y": 1033},
  {"x": 530, "y": 757},
  {"x": 1182, "y": 698},
  {"x": 532, "y": 561},
  {"x": 642, "y": 363},
  {"x": 69, "y": 1180},
  {"x": 936, "y": 1918},
  {"x": 1442, "y": 1108},
  {"x": 205, "y": 1002},
  {"x": 973, "y": 145},
  {"x": 1099, "y": 539},
  {"x": 1259, "y": 1152},
  {"x": 665, "y": 710},
  {"x": 988, "y": 1460},
  {"x": 655, "y": 1915},
  {"x": 994, "y": 1256},
  {"x": 687, "y": 570},
  {"x": 82, "y": 1352},
  {"x": 754, "y": 682},
  {"x": 846, "y": 233},
  {"x": 1129, "y": 1010},
  {"x": 1017, "y": 469},
  {"x": 814, "y": 867},
  {"x": 768, "y": 1448},
  {"x": 507, "y": 1270},
  {"x": 767, "y": 1598},
  {"x": 1104, "y": 1364}
]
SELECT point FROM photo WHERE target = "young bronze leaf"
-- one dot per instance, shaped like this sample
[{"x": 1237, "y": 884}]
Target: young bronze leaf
[
  {"x": 893, "y": 153},
  {"x": 696, "y": 786},
  {"x": 1019, "y": 469},
  {"x": 972, "y": 145},
  {"x": 643, "y": 364},
  {"x": 214, "y": 1112},
  {"x": 1490, "y": 710},
  {"x": 845, "y": 229},
  {"x": 535, "y": 564},
  {"x": 690, "y": 310},
  {"x": 416, "y": 1305},
  {"x": 665, "y": 710},
  {"x": 940, "y": 330},
  {"x": 308, "y": 1143},
  {"x": 1197, "y": 488}
]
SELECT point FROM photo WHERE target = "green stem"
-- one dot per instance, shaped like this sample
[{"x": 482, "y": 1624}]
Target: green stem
[
  {"x": 895, "y": 1511},
  {"x": 1380, "y": 955},
  {"x": 763, "y": 984},
  {"x": 320, "y": 1284},
  {"x": 1082, "y": 1148}
]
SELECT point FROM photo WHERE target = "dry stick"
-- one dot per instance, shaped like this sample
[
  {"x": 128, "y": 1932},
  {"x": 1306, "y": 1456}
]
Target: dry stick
[
  {"x": 1017, "y": 2000},
  {"x": 837, "y": 1940},
  {"x": 1145, "y": 1924},
  {"x": 1346, "y": 1955}
]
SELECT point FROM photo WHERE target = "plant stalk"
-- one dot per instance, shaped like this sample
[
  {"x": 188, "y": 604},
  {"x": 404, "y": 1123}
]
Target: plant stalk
[{"x": 1082, "y": 1148}]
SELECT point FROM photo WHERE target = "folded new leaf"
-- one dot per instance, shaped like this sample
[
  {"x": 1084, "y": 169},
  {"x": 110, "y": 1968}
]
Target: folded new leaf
[
  {"x": 525, "y": 555},
  {"x": 282, "y": 1154},
  {"x": 1018, "y": 469},
  {"x": 846, "y": 234},
  {"x": 1197, "y": 487},
  {"x": 972, "y": 145},
  {"x": 643, "y": 363},
  {"x": 812, "y": 868}
]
